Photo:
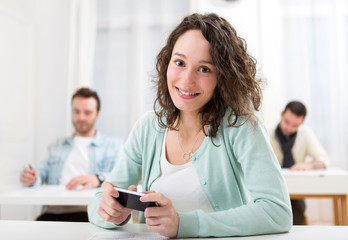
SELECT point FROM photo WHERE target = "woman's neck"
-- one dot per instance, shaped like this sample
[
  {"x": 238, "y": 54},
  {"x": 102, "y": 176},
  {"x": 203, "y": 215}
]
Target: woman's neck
[{"x": 189, "y": 124}]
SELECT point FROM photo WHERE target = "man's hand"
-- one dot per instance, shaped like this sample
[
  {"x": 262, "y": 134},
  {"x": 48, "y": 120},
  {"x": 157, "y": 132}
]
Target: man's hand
[
  {"x": 86, "y": 181},
  {"x": 302, "y": 166},
  {"x": 29, "y": 176},
  {"x": 162, "y": 219},
  {"x": 308, "y": 166},
  {"x": 109, "y": 208}
]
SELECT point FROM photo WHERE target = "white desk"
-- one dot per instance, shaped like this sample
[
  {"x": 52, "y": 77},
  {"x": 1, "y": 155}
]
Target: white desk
[
  {"x": 331, "y": 183},
  {"x": 31, "y": 230},
  {"x": 44, "y": 195},
  {"x": 47, "y": 195},
  {"x": 317, "y": 183}
]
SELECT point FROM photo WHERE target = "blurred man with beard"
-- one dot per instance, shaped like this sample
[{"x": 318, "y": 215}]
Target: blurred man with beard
[{"x": 78, "y": 162}]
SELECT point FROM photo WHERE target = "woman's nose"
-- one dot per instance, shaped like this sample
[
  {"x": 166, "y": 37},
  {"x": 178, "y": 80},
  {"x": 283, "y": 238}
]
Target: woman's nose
[{"x": 189, "y": 76}]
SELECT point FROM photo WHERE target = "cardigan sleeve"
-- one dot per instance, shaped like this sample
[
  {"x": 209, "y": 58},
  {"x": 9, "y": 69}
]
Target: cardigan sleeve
[{"x": 126, "y": 172}]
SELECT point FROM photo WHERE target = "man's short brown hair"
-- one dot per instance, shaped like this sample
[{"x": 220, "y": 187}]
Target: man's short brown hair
[
  {"x": 87, "y": 93},
  {"x": 297, "y": 108}
]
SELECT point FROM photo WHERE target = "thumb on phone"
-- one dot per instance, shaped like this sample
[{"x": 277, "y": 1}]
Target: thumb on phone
[{"x": 132, "y": 188}]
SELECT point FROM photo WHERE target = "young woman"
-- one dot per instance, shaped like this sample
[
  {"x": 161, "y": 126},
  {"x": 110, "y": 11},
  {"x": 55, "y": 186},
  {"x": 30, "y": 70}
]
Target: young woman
[{"x": 203, "y": 155}]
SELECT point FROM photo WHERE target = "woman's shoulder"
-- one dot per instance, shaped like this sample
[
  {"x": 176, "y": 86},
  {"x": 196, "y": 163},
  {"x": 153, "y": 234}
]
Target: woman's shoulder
[
  {"x": 243, "y": 123},
  {"x": 229, "y": 117},
  {"x": 147, "y": 116},
  {"x": 148, "y": 120}
]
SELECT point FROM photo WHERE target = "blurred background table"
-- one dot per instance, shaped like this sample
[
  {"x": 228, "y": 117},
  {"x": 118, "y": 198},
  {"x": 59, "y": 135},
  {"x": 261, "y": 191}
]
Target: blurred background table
[{"x": 330, "y": 183}]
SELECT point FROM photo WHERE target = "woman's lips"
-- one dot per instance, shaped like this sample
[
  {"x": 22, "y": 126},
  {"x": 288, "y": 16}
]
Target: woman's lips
[{"x": 186, "y": 94}]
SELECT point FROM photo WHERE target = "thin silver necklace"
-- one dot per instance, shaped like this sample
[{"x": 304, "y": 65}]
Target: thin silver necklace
[{"x": 187, "y": 155}]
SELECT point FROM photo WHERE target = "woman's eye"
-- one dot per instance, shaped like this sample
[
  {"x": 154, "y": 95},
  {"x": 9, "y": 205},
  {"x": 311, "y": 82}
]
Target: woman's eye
[
  {"x": 179, "y": 63},
  {"x": 204, "y": 69}
]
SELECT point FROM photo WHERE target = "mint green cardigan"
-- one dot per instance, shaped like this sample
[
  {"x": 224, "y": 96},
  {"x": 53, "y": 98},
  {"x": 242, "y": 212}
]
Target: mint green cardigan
[{"x": 239, "y": 175}]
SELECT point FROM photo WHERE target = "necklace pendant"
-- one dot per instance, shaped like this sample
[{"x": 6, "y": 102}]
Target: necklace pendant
[{"x": 186, "y": 156}]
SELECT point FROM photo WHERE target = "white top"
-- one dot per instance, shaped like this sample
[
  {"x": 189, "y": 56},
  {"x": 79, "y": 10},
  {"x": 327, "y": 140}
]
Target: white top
[
  {"x": 77, "y": 163},
  {"x": 181, "y": 185}
]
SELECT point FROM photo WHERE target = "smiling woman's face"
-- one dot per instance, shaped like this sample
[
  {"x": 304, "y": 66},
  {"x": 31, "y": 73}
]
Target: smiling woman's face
[{"x": 191, "y": 75}]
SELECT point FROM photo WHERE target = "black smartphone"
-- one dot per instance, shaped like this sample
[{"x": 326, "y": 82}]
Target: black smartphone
[{"x": 130, "y": 199}]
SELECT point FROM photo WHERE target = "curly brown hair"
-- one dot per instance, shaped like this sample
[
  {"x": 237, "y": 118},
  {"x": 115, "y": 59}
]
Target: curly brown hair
[{"x": 237, "y": 87}]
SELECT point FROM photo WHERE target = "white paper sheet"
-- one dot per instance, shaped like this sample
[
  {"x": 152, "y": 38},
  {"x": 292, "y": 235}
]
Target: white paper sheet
[{"x": 123, "y": 235}]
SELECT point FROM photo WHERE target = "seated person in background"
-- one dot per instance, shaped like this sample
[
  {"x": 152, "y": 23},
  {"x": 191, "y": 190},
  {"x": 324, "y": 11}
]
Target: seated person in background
[
  {"x": 203, "y": 154},
  {"x": 293, "y": 143},
  {"x": 80, "y": 161}
]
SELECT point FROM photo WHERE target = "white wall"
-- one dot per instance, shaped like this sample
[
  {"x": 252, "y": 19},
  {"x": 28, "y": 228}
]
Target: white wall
[
  {"x": 130, "y": 34},
  {"x": 52, "y": 98},
  {"x": 33, "y": 83},
  {"x": 17, "y": 121},
  {"x": 243, "y": 15}
]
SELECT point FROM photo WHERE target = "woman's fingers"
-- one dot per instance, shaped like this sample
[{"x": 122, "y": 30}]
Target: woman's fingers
[
  {"x": 104, "y": 215},
  {"x": 156, "y": 197},
  {"x": 109, "y": 208},
  {"x": 109, "y": 188},
  {"x": 133, "y": 188},
  {"x": 111, "y": 201},
  {"x": 162, "y": 219}
]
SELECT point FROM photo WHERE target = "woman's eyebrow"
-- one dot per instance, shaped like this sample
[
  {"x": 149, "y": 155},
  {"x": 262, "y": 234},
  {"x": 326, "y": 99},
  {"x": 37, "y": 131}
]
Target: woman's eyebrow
[
  {"x": 207, "y": 62},
  {"x": 201, "y": 61},
  {"x": 179, "y": 54}
]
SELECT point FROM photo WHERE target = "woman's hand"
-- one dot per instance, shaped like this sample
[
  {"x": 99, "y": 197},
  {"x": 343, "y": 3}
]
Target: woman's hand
[
  {"x": 109, "y": 208},
  {"x": 162, "y": 219}
]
